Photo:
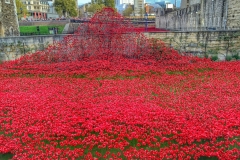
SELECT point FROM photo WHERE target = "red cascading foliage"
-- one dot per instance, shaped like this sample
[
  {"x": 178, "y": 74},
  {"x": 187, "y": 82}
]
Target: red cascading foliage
[{"x": 106, "y": 36}]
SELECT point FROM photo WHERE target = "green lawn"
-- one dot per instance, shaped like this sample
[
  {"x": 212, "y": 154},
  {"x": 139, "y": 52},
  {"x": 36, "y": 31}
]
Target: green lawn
[{"x": 28, "y": 30}]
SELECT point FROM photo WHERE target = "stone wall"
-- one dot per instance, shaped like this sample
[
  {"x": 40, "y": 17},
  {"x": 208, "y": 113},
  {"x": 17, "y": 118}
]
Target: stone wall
[
  {"x": 202, "y": 43},
  {"x": 202, "y": 15},
  {"x": 14, "y": 47},
  {"x": 183, "y": 19},
  {"x": 8, "y": 19},
  {"x": 192, "y": 2},
  {"x": 195, "y": 42},
  {"x": 234, "y": 14},
  {"x": 184, "y": 3}
]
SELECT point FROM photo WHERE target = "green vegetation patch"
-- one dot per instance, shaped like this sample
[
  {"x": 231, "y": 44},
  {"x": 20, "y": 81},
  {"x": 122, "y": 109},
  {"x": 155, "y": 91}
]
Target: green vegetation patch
[
  {"x": 43, "y": 30},
  {"x": 6, "y": 156}
]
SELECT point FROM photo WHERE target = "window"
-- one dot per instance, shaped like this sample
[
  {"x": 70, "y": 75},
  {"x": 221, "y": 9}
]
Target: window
[{"x": 7, "y": 1}]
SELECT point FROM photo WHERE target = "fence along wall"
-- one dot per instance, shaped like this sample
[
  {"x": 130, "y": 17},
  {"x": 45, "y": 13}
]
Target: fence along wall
[
  {"x": 43, "y": 23},
  {"x": 198, "y": 43}
]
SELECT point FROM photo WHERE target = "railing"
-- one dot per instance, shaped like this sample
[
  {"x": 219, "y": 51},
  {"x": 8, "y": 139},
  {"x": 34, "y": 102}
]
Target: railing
[{"x": 131, "y": 20}]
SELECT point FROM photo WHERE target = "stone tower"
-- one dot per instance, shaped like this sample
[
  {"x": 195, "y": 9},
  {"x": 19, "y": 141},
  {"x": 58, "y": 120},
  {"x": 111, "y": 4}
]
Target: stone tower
[
  {"x": 8, "y": 19},
  {"x": 184, "y": 3}
]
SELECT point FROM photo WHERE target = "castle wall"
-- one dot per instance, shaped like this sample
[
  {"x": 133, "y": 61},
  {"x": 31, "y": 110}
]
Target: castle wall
[
  {"x": 234, "y": 14},
  {"x": 184, "y": 3},
  {"x": 192, "y": 2},
  {"x": 195, "y": 42},
  {"x": 200, "y": 43},
  {"x": 8, "y": 19},
  {"x": 14, "y": 47},
  {"x": 202, "y": 15}
]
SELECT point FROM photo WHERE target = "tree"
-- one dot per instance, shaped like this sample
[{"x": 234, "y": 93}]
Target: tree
[
  {"x": 128, "y": 11},
  {"x": 97, "y": 1},
  {"x": 110, "y": 3},
  {"x": 107, "y": 3},
  {"x": 141, "y": 12},
  {"x": 21, "y": 9},
  {"x": 66, "y": 7},
  {"x": 93, "y": 8},
  {"x": 97, "y": 5}
]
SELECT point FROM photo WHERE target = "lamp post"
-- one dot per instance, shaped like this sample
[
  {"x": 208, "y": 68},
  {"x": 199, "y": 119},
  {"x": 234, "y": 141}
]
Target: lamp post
[
  {"x": 146, "y": 21},
  {"x": 85, "y": 15}
]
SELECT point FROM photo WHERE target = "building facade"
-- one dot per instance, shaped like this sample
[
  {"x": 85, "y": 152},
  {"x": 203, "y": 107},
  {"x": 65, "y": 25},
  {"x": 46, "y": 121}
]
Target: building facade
[
  {"x": 52, "y": 14},
  {"x": 119, "y": 2},
  {"x": 8, "y": 19},
  {"x": 139, "y": 7},
  {"x": 201, "y": 15},
  {"x": 37, "y": 9},
  {"x": 82, "y": 9}
]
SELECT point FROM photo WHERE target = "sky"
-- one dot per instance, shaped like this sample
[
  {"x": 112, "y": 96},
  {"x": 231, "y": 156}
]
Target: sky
[{"x": 83, "y": 1}]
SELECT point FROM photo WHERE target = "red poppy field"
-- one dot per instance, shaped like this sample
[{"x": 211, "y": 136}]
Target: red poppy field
[
  {"x": 135, "y": 110},
  {"x": 79, "y": 101}
]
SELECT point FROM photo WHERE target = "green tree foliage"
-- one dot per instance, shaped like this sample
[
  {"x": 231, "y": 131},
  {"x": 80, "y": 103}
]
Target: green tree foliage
[
  {"x": 128, "y": 11},
  {"x": 97, "y": 1},
  {"x": 97, "y": 5},
  {"x": 109, "y": 3},
  {"x": 66, "y": 7},
  {"x": 21, "y": 9},
  {"x": 93, "y": 8}
]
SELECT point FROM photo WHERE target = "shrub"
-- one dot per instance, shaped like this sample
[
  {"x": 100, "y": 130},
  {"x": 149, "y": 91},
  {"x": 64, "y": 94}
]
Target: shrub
[
  {"x": 236, "y": 56},
  {"x": 214, "y": 58},
  {"x": 228, "y": 58},
  {"x": 206, "y": 56}
]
